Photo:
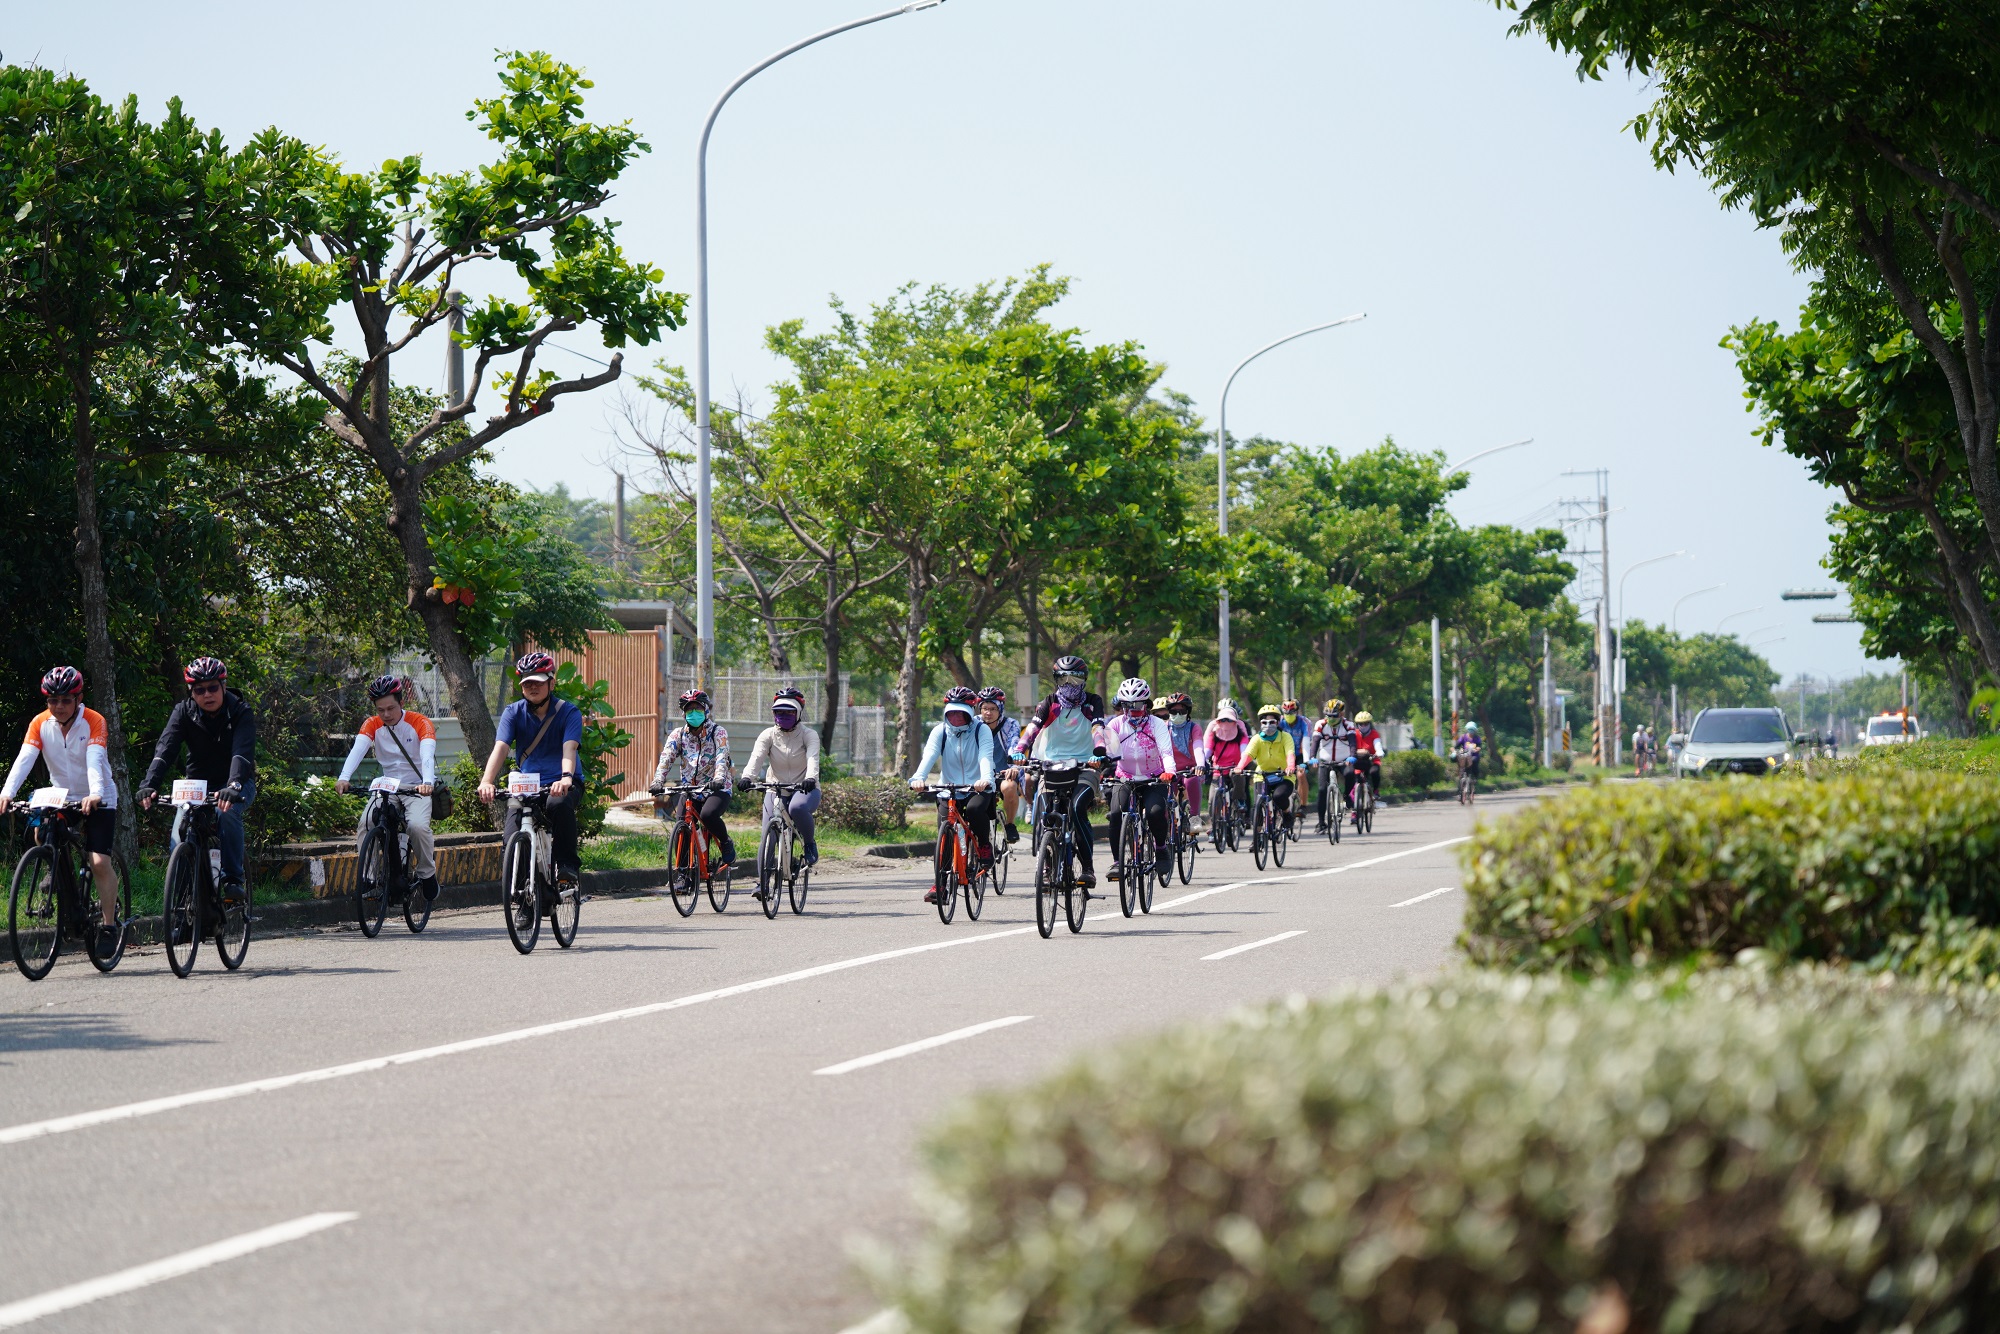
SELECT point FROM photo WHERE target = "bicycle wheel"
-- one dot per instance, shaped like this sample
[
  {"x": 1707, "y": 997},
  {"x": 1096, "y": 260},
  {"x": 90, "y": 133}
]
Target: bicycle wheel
[
  {"x": 947, "y": 895},
  {"x": 727, "y": 875},
  {"x": 1218, "y": 822},
  {"x": 769, "y": 869},
  {"x": 565, "y": 914},
  {"x": 1280, "y": 836},
  {"x": 1151, "y": 851},
  {"x": 178, "y": 913},
  {"x": 1131, "y": 867},
  {"x": 1076, "y": 902},
  {"x": 105, "y": 963},
  {"x": 975, "y": 894},
  {"x": 1368, "y": 814},
  {"x": 417, "y": 908},
  {"x": 1003, "y": 859},
  {"x": 34, "y": 917},
  {"x": 681, "y": 882},
  {"x": 232, "y": 932},
  {"x": 1259, "y": 847},
  {"x": 1048, "y": 883},
  {"x": 517, "y": 892},
  {"x": 801, "y": 883},
  {"x": 1334, "y": 815},
  {"x": 1185, "y": 852},
  {"x": 371, "y": 882}
]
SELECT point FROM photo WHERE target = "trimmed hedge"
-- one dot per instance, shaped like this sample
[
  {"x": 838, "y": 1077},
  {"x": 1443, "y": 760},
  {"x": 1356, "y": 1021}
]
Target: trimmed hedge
[
  {"x": 1835, "y": 869},
  {"x": 1413, "y": 769},
  {"x": 872, "y": 805},
  {"x": 1735, "y": 1152},
  {"x": 1938, "y": 754}
]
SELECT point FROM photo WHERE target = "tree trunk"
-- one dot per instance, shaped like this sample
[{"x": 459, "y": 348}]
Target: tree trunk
[
  {"x": 100, "y": 661},
  {"x": 1964, "y": 591},
  {"x": 909, "y": 677},
  {"x": 446, "y": 644}
]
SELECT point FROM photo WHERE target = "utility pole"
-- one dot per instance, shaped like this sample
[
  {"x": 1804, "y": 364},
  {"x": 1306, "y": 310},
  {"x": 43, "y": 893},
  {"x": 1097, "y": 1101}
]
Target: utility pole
[
  {"x": 1580, "y": 514},
  {"x": 454, "y": 351},
  {"x": 1437, "y": 694},
  {"x": 618, "y": 544},
  {"x": 1548, "y": 702}
]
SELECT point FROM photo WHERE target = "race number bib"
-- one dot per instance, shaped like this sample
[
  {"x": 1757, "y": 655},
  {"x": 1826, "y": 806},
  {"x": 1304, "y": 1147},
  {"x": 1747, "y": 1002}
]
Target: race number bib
[
  {"x": 190, "y": 791},
  {"x": 386, "y": 785},
  {"x": 48, "y": 798},
  {"x": 523, "y": 785}
]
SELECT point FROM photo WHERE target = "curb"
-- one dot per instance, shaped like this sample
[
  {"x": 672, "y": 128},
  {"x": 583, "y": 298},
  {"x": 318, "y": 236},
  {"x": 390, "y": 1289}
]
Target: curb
[{"x": 899, "y": 851}]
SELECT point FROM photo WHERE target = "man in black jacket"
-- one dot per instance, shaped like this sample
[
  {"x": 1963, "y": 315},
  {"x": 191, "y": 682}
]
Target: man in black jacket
[{"x": 220, "y": 732}]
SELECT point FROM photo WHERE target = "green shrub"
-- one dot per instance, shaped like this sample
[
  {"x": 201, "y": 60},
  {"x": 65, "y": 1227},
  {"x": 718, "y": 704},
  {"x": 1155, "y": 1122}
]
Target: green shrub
[
  {"x": 1936, "y": 755},
  {"x": 875, "y": 804},
  {"x": 469, "y": 815},
  {"x": 1412, "y": 770},
  {"x": 1562, "y": 760},
  {"x": 1825, "y": 870},
  {"x": 1732, "y": 1153},
  {"x": 288, "y": 812}
]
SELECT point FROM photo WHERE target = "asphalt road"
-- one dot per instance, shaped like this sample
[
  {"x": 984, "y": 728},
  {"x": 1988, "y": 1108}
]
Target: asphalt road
[{"x": 682, "y": 1167}]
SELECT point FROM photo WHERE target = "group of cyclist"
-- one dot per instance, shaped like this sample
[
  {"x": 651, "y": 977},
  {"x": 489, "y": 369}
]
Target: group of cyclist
[{"x": 1147, "y": 743}]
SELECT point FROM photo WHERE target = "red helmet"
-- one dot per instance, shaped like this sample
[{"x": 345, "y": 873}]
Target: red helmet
[
  {"x": 204, "y": 669},
  {"x": 62, "y": 681},
  {"x": 1178, "y": 702},
  {"x": 790, "y": 696},
  {"x": 693, "y": 699},
  {"x": 535, "y": 664}
]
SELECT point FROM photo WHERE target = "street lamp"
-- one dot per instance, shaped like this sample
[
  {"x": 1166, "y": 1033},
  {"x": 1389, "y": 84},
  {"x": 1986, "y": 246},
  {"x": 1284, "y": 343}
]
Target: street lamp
[
  {"x": 1497, "y": 449},
  {"x": 1675, "y": 619},
  {"x": 1618, "y": 672},
  {"x": 1747, "y": 611},
  {"x": 1222, "y": 485},
  {"x": 704, "y": 556}
]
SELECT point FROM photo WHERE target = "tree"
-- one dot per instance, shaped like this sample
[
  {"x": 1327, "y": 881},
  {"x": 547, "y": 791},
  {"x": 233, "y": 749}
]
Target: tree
[
  {"x": 1515, "y": 594},
  {"x": 389, "y": 246},
  {"x": 118, "y": 235}
]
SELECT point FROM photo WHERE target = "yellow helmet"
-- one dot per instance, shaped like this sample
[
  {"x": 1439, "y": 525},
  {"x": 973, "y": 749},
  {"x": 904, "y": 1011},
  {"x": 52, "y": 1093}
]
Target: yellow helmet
[
  {"x": 1333, "y": 706},
  {"x": 1269, "y": 711},
  {"x": 1364, "y": 717}
]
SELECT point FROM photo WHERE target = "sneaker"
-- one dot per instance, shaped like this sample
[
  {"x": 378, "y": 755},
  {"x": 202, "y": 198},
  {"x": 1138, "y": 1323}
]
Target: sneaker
[
  {"x": 1115, "y": 874},
  {"x": 1164, "y": 867},
  {"x": 811, "y": 859},
  {"x": 107, "y": 939},
  {"x": 1087, "y": 879},
  {"x": 430, "y": 886},
  {"x": 1013, "y": 834},
  {"x": 762, "y": 894},
  {"x": 931, "y": 898},
  {"x": 232, "y": 893}
]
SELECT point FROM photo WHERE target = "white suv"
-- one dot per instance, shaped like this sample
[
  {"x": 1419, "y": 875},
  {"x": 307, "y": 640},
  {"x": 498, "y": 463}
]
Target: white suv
[{"x": 1735, "y": 741}]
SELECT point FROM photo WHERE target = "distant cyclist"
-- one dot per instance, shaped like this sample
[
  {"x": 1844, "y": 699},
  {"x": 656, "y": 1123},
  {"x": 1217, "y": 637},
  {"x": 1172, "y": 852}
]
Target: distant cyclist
[
  {"x": 219, "y": 730},
  {"x": 1006, "y": 735},
  {"x": 1222, "y": 742},
  {"x": 788, "y": 752},
  {"x": 1368, "y": 751},
  {"x": 1298, "y": 727},
  {"x": 960, "y": 748},
  {"x": 545, "y": 732},
  {"x": 1144, "y": 751},
  {"x": 69, "y": 740},
  {"x": 696, "y": 754},
  {"x": 1467, "y": 747},
  {"x": 1068, "y": 725},
  {"x": 405, "y": 745},
  {"x": 1178, "y": 710},
  {"x": 1331, "y": 749},
  {"x": 1271, "y": 751}
]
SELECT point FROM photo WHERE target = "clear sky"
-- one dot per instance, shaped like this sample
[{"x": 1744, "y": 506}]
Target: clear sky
[{"x": 1212, "y": 177}]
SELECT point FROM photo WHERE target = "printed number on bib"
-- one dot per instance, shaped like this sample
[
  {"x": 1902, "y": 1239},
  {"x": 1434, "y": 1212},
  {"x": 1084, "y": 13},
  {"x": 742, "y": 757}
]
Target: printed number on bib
[
  {"x": 47, "y": 798},
  {"x": 190, "y": 791},
  {"x": 523, "y": 785},
  {"x": 386, "y": 784}
]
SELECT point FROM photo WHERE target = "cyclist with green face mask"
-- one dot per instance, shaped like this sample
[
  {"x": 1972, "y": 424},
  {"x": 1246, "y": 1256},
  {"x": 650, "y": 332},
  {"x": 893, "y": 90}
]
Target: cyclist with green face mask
[{"x": 697, "y": 755}]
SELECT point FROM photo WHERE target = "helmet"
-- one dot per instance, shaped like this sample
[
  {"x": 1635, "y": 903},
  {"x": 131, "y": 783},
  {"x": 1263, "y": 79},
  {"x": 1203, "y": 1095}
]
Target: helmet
[
  {"x": 693, "y": 699},
  {"x": 383, "y": 686},
  {"x": 1070, "y": 665},
  {"x": 1159, "y": 704},
  {"x": 1178, "y": 702},
  {"x": 1269, "y": 711},
  {"x": 1333, "y": 706},
  {"x": 204, "y": 669},
  {"x": 993, "y": 695},
  {"x": 535, "y": 666},
  {"x": 1135, "y": 690},
  {"x": 1472, "y": 728},
  {"x": 961, "y": 695},
  {"x": 789, "y": 697},
  {"x": 62, "y": 681},
  {"x": 1291, "y": 706},
  {"x": 1364, "y": 717}
]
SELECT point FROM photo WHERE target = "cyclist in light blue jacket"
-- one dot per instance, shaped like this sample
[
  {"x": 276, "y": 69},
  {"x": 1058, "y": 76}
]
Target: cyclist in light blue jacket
[{"x": 961, "y": 749}]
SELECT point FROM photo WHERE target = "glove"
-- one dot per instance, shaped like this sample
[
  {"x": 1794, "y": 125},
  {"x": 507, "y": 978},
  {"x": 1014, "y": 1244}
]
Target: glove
[
  {"x": 809, "y": 784},
  {"x": 657, "y": 791},
  {"x": 1098, "y": 751},
  {"x": 232, "y": 793},
  {"x": 1017, "y": 756},
  {"x": 146, "y": 794}
]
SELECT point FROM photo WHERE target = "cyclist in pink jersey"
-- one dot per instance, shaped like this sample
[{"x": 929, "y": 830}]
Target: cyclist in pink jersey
[
  {"x": 1178, "y": 711},
  {"x": 1145, "y": 753}
]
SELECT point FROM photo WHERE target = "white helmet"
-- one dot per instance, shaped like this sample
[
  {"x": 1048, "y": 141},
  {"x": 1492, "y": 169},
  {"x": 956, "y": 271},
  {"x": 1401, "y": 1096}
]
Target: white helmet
[{"x": 1134, "y": 690}]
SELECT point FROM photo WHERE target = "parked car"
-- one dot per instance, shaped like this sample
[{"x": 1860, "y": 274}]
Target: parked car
[
  {"x": 1892, "y": 729},
  {"x": 1735, "y": 741}
]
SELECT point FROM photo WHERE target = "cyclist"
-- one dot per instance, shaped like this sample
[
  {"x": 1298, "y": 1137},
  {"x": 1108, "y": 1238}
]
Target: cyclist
[
  {"x": 1223, "y": 741},
  {"x": 1467, "y": 744},
  {"x": 69, "y": 740},
  {"x": 1006, "y": 735},
  {"x": 1178, "y": 710},
  {"x": 1298, "y": 728},
  {"x": 1270, "y": 751},
  {"x": 405, "y": 745},
  {"x": 1331, "y": 748},
  {"x": 788, "y": 752},
  {"x": 220, "y": 732},
  {"x": 961, "y": 747},
  {"x": 1145, "y": 750},
  {"x": 700, "y": 749},
  {"x": 1069, "y": 725},
  {"x": 546, "y": 733},
  {"x": 1368, "y": 751}
]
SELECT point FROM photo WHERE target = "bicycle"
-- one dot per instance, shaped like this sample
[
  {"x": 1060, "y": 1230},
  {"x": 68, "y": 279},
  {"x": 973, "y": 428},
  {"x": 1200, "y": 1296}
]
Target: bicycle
[
  {"x": 1267, "y": 832},
  {"x": 191, "y": 903},
  {"x": 1466, "y": 759},
  {"x": 1333, "y": 783},
  {"x": 954, "y": 861},
  {"x": 1055, "y": 860},
  {"x": 1226, "y": 816},
  {"x": 1362, "y": 808},
  {"x": 780, "y": 859},
  {"x": 1137, "y": 855},
  {"x": 45, "y": 903},
  {"x": 381, "y": 873},
  {"x": 1180, "y": 832},
  {"x": 693, "y": 859},
  {"x": 528, "y": 889}
]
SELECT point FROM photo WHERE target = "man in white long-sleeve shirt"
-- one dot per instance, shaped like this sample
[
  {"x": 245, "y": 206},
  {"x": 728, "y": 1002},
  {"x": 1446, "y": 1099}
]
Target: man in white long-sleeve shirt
[
  {"x": 405, "y": 745},
  {"x": 69, "y": 740},
  {"x": 788, "y": 752}
]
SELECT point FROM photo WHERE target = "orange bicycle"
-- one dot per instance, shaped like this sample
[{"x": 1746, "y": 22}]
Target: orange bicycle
[
  {"x": 956, "y": 860},
  {"x": 694, "y": 862}
]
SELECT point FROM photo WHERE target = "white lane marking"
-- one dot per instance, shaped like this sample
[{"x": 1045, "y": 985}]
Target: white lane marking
[
  {"x": 158, "y": 1271},
  {"x": 82, "y": 1120},
  {"x": 1255, "y": 944},
  {"x": 1421, "y": 897},
  {"x": 923, "y": 1044},
  {"x": 1303, "y": 875}
]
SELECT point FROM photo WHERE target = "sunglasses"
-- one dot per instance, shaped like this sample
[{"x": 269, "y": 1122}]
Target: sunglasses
[
  {"x": 1069, "y": 678},
  {"x": 212, "y": 688}
]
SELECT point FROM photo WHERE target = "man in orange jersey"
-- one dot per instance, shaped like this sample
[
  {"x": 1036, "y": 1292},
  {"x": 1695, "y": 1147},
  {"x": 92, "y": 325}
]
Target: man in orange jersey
[
  {"x": 69, "y": 741},
  {"x": 405, "y": 745}
]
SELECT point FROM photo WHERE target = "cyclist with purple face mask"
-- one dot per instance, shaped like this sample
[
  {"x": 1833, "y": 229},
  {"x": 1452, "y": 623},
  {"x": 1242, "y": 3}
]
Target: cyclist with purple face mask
[{"x": 788, "y": 752}]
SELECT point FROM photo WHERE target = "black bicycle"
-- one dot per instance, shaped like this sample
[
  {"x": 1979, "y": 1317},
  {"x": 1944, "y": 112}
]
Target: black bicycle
[
  {"x": 1332, "y": 799},
  {"x": 781, "y": 860},
  {"x": 1362, "y": 808},
  {"x": 191, "y": 903},
  {"x": 1181, "y": 833},
  {"x": 1137, "y": 854},
  {"x": 1226, "y": 815},
  {"x": 528, "y": 889},
  {"x": 381, "y": 871},
  {"x": 46, "y": 903},
  {"x": 1267, "y": 830},
  {"x": 1055, "y": 836}
]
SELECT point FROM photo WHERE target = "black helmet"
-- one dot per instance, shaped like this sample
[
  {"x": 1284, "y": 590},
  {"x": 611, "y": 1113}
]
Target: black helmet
[
  {"x": 62, "y": 681},
  {"x": 204, "y": 669},
  {"x": 1070, "y": 665},
  {"x": 383, "y": 686},
  {"x": 993, "y": 695}
]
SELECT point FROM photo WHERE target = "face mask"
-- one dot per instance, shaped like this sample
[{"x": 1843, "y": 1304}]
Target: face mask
[
  {"x": 958, "y": 723},
  {"x": 695, "y": 718},
  {"x": 1268, "y": 731},
  {"x": 1070, "y": 695},
  {"x": 786, "y": 719},
  {"x": 1291, "y": 717}
]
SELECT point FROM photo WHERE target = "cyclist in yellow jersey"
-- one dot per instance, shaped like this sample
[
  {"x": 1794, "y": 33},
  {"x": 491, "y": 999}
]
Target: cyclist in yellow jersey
[{"x": 1271, "y": 751}]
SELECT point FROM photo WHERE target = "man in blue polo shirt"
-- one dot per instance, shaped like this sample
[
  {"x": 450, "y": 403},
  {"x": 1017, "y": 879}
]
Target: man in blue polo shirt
[{"x": 548, "y": 731}]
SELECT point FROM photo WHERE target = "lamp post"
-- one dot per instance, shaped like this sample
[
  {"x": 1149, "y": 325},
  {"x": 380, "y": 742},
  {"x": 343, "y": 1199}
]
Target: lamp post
[
  {"x": 1618, "y": 672},
  {"x": 1675, "y": 619},
  {"x": 1222, "y": 487},
  {"x": 704, "y": 555},
  {"x": 1497, "y": 449},
  {"x": 1747, "y": 611}
]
